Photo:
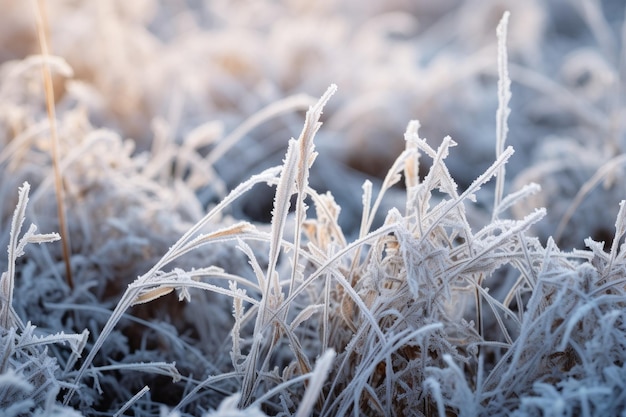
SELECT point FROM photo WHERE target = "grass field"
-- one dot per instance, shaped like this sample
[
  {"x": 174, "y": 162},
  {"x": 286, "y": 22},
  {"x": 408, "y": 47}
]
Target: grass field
[{"x": 259, "y": 208}]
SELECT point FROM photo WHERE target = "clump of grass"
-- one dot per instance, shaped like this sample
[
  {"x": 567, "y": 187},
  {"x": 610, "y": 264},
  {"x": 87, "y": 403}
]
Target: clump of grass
[{"x": 29, "y": 377}]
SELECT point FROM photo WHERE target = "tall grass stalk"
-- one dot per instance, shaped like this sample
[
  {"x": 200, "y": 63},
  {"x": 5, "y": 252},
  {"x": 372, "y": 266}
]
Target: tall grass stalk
[{"x": 42, "y": 34}]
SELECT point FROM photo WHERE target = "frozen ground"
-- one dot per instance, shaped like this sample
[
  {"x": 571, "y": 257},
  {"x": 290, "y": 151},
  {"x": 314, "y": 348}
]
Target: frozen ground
[{"x": 446, "y": 298}]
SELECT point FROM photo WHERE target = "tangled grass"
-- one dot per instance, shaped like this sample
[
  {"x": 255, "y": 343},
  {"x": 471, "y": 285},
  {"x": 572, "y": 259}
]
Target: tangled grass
[{"x": 426, "y": 304}]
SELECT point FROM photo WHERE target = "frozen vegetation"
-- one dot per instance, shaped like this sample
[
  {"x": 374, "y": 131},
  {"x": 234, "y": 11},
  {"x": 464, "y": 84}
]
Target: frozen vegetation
[{"x": 172, "y": 252}]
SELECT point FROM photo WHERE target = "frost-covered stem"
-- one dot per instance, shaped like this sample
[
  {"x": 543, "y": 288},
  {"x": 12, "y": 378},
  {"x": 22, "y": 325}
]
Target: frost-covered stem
[
  {"x": 306, "y": 156},
  {"x": 7, "y": 281},
  {"x": 479, "y": 309},
  {"x": 132, "y": 401},
  {"x": 620, "y": 231},
  {"x": 293, "y": 177},
  {"x": 502, "y": 114}
]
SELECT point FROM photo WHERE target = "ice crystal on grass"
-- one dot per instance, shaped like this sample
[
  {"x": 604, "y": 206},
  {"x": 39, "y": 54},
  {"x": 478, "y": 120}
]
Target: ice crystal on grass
[
  {"x": 30, "y": 378},
  {"x": 434, "y": 298}
]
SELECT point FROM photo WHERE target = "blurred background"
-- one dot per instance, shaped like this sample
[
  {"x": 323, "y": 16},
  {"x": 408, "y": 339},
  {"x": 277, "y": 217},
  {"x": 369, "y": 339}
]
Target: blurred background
[{"x": 180, "y": 71}]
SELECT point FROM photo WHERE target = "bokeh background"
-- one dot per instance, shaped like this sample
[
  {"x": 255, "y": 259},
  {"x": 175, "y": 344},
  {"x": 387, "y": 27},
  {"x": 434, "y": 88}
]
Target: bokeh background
[{"x": 161, "y": 69}]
